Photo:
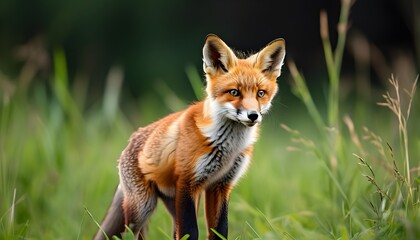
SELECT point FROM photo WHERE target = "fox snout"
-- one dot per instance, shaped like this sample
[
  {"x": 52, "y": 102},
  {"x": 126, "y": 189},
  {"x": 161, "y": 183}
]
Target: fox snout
[
  {"x": 249, "y": 117},
  {"x": 253, "y": 116},
  {"x": 249, "y": 109}
]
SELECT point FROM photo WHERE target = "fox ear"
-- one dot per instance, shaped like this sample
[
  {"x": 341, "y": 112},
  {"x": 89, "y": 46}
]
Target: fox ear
[
  {"x": 217, "y": 56},
  {"x": 270, "y": 59}
]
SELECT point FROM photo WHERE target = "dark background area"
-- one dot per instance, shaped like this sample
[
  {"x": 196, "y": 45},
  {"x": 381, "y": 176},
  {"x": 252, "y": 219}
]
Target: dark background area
[{"x": 155, "y": 40}]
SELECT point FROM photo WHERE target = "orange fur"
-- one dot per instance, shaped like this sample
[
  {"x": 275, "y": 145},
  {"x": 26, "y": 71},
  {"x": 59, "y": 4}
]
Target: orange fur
[{"x": 206, "y": 147}]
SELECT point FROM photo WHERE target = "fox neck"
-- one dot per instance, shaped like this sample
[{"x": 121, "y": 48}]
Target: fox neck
[{"x": 221, "y": 130}]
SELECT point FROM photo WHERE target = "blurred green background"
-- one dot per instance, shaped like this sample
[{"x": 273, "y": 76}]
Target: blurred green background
[
  {"x": 78, "y": 77},
  {"x": 155, "y": 40}
]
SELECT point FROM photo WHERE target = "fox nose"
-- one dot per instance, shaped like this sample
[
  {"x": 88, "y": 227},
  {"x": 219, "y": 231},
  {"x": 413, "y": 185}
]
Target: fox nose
[{"x": 253, "y": 116}]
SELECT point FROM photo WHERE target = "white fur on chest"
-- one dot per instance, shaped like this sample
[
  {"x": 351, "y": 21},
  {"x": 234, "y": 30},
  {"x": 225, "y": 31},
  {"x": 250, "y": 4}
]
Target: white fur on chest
[{"x": 228, "y": 140}]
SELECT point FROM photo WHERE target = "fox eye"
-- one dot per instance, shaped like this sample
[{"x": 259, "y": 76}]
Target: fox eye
[
  {"x": 234, "y": 92},
  {"x": 261, "y": 93}
]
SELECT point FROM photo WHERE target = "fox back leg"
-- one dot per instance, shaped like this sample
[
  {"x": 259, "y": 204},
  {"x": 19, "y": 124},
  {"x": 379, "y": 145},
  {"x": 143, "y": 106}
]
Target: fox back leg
[
  {"x": 131, "y": 209},
  {"x": 140, "y": 195},
  {"x": 139, "y": 202},
  {"x": 169, "y": 203},
  {"x": 138, "y": 206}
]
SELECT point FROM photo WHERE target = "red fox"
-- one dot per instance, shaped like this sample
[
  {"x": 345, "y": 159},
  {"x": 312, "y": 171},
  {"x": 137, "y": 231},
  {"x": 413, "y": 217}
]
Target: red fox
[{"x": 205, "y": 148}]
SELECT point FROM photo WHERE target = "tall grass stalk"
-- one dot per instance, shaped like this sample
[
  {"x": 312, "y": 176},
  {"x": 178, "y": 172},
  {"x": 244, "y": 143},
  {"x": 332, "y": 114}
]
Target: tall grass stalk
[
  {"x": 112, "y": 92},
  {"x": 333, "y": 61},
  {"x": 62, "y": 90},
  {"x": 395, "y": 105},
  {"x": 195, "y": 81},
  {"x": 333, "y": 99},
  {"x": 397, "y": 209},
  {"x": 333, "y": 147},
  {"x": 301, "y": 90}
]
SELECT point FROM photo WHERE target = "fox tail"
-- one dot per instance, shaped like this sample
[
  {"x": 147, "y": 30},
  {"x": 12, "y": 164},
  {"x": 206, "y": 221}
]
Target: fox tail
[{"x": 113, "y": 223}]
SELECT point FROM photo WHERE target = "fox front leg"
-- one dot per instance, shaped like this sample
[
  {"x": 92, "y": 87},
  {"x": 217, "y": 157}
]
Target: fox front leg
[
  {"x": 216, "y": 206},
  {"x": 186, "y": 219}
]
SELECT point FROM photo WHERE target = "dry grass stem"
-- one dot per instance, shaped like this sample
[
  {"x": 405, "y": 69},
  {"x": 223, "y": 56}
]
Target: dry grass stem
[
  {"x": 353, "y": 135},
  {"x": 395, "y": 105}
]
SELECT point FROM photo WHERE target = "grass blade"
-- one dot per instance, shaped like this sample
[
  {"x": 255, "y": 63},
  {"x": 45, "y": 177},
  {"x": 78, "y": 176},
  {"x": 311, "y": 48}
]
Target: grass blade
[{"x": 195, "y": 81}]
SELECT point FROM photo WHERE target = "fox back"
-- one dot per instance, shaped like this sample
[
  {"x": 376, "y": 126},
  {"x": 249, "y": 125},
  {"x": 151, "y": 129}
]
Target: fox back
[{"x": 205, "y": 148}]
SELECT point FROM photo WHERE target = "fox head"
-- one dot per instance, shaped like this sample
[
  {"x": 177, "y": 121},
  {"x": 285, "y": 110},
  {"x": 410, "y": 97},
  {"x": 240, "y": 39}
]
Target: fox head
[{"x": 241, "y": 89}]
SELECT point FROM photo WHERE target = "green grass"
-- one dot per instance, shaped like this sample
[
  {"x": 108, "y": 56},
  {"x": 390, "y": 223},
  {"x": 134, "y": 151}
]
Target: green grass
[
  {"x": 319, "y": 170},
  {"x": 58, "y": 158}
]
